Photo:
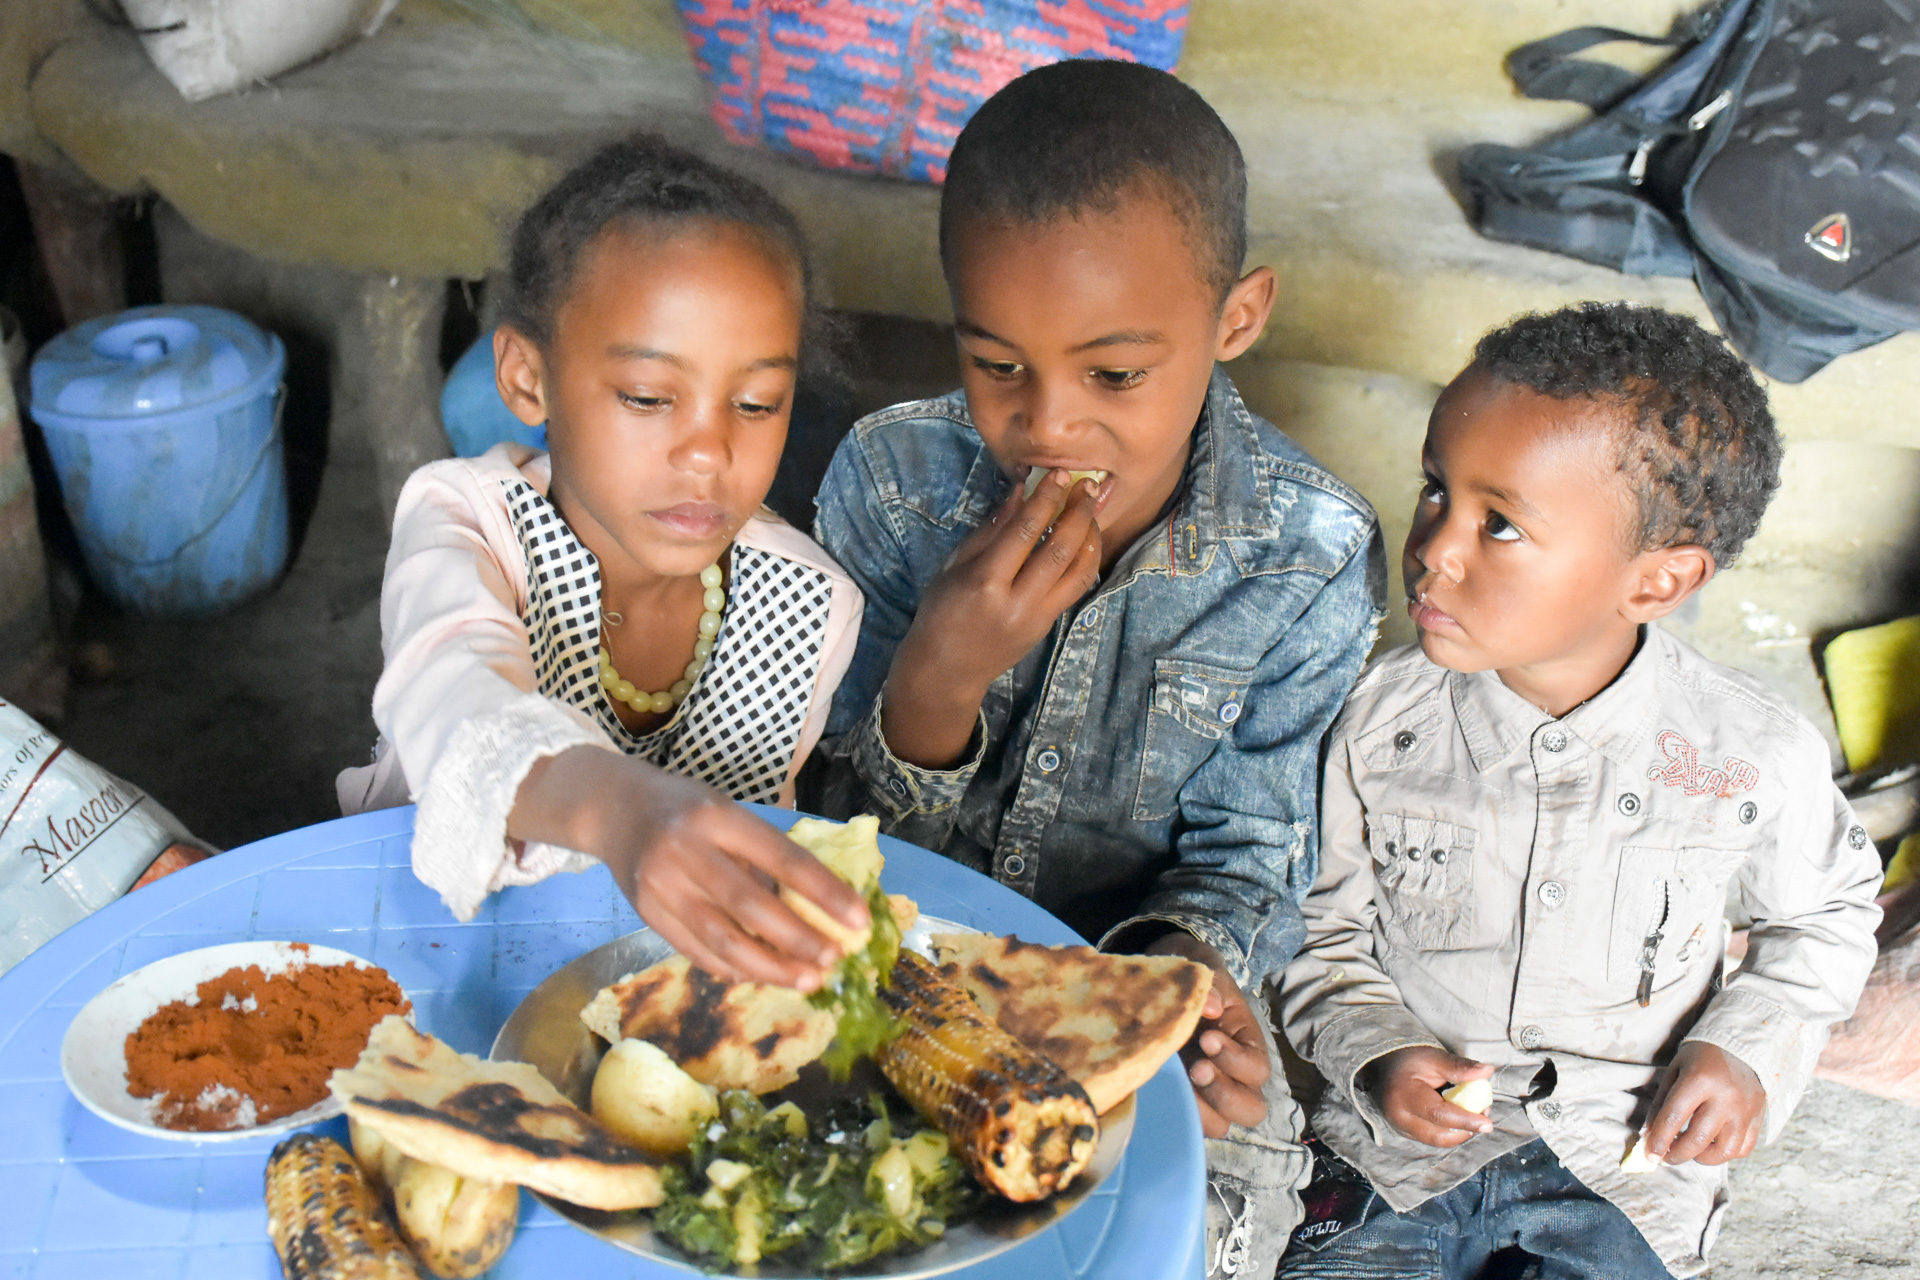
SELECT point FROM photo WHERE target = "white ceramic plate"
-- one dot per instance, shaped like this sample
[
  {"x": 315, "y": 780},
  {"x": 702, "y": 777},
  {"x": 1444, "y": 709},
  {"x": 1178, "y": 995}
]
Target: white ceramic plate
[
  {"x": 546, "y": 1031},
  {"x": 93, "y": 1056}
]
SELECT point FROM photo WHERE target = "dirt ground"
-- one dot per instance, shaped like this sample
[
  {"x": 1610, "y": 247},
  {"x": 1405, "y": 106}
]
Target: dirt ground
[{"x": 239, "y": 723}]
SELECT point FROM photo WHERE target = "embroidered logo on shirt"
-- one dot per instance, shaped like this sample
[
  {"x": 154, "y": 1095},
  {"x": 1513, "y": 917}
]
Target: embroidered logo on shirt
[{"x": 1684, "y": 770}]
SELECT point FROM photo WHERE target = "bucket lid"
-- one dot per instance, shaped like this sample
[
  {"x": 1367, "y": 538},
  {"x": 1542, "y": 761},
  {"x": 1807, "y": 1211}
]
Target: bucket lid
[{"x": 154, "y": 360}]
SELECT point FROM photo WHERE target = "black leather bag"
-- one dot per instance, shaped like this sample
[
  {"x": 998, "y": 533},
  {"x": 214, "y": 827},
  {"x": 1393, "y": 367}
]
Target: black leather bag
[{"x": 1775, "y": 159}]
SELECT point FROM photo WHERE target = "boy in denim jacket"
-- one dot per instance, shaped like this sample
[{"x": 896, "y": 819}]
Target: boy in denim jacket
[
  {"x": 1532, "y": 819},
  {"x": 1110, "y": 612}
]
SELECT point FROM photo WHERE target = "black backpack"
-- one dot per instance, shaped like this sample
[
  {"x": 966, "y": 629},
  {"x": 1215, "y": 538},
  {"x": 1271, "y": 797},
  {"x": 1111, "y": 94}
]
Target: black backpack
[{"x": 1775, "y": 159}]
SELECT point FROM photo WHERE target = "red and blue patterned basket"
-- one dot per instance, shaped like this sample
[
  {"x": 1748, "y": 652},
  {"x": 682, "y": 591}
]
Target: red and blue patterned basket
[{"x": 884, "y": 86}]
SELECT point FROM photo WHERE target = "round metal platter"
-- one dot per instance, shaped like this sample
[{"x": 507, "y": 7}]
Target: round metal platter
[{"x": 546, "y": 1031}]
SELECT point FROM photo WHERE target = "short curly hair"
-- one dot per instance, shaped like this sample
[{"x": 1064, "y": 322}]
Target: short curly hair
[
  {"x": 1080, "y": 135},
  {"x": 1700, "y": 449}
]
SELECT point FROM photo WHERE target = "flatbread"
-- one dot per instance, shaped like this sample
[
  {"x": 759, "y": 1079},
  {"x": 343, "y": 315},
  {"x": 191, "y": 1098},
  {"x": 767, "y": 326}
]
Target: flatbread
[
  {"x": 1109, "y": 1021},
  {"x": 490, "y": 1121},
  {"x": 741, "y": 1035}
]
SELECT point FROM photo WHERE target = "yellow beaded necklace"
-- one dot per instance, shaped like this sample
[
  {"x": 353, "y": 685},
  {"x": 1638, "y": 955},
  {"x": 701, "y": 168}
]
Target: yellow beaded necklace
[{"x": 714, "y": 603}]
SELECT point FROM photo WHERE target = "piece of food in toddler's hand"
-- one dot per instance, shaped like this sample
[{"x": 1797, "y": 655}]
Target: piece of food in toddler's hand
[
  {"x": 1018, "y": 1122},
  {"x": 490, "y": 1121},
  {"x": 1109, "y": 1021},
  {"x": 325, "y": 1217},
  {"x": 1037, "y": 474},
  {"x": 643, "y": 1097},
  {"x": 1638, "y": 1160},
  {"x": 1470, "y": 1095},
  {"x": 741, "y": 1035}
]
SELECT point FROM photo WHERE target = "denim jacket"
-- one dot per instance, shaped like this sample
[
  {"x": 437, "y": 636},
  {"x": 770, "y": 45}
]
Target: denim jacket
[{"x": 1156, "y": 757}]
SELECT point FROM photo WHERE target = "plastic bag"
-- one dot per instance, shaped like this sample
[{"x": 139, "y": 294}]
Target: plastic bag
[{"x": 73, "y": 837}]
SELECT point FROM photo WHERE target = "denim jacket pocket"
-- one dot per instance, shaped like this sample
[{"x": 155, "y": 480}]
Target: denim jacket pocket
[
  {"x": 1424, "y": 868},
  {"x": 1667, "y": 911},
  {"x": 1193, "y": 707}
]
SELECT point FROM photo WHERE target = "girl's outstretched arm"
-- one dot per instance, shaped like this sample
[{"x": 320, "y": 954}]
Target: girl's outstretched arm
[{"x": 700, "y": 869}]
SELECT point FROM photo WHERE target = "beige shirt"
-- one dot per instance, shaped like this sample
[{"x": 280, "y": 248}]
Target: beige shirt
[
  {"x": 491, "y": 668},
  {"x": 1500, "y": 883}
]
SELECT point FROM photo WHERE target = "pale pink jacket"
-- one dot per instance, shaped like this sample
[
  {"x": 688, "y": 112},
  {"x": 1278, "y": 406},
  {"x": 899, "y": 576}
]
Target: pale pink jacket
[{"x": 460, "y": 720}]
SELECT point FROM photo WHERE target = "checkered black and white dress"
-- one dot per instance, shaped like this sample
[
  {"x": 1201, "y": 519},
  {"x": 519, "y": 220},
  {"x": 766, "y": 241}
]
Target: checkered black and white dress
[{"x": 739, "y": 726}]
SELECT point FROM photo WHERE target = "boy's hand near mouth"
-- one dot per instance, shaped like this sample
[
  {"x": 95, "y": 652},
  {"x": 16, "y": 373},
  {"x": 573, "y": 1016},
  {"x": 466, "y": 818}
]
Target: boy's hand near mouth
[{"x": 999, "y": 595}]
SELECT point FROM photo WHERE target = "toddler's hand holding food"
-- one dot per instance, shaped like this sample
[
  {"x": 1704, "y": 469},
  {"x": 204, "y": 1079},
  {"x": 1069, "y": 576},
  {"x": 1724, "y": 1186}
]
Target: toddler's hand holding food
[
  {"x": 1227, "y": 1059},
  {"x": 1708, "y": 1109},
  {"x": 994, "y": 600},
  {"x": 1407, "y": 1084},
  {"x": 701, "y": 870}
]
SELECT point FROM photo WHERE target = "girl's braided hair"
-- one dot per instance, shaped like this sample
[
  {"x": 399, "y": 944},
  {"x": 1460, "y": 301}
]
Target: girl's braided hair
[
  {"x": 1699, "y": 447},
  {"x": 643, "y": 181}
]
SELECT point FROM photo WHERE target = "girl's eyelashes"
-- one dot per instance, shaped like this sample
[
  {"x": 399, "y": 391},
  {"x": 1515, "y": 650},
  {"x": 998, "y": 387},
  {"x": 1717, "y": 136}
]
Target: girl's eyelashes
[
  {"x": 1431, "y": 490},
  {"x": 642, "y": 402},
  {"x": 1501, "y": 529},
  {"x": 1119, "y": 379},
  {"x": 756, "y": 409}
]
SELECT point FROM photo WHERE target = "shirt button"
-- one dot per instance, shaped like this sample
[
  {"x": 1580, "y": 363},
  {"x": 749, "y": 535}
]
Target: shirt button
[
  {"x": 1628, "y": 803},
  {"x": 1229, "y": 712},
  {"x": 1551, "y": 1110},
  {"x": 1749, "y": 811},
  {"x": 1014, "y": 864},
  {"x": 1413, "y": 855},
  {"x": 1532, "y": 1037},
  {"x": 1554, "y": 740},
  {"x": 1404, "y": 740},
  {"x": 1049, "y": 760},
  {"x": 1553, "y": 893},
  {"x": 1857, "y": 837},
  {"x": 1439, "y": 855}
]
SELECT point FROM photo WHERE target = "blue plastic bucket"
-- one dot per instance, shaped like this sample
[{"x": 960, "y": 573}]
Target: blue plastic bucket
[{"x": 164, "y": 427}]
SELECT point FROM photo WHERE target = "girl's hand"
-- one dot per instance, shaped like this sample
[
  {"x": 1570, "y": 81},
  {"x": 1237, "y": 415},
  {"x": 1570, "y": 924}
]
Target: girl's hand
[
  {"x": 1407, "y": 1083},
  {"x": 1227, "y": 1058},
  {"x": 700, "y": 869},
  {"x": 1708, "y": 1108},
  {"x": 996, "y": 598}
]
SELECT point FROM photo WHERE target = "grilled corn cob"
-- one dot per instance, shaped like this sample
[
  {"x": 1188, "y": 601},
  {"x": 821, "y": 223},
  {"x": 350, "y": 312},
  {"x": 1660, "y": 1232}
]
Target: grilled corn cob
[
  {"x": 325, "y": 1218},
  {"x": 1020, "y": 1123}
]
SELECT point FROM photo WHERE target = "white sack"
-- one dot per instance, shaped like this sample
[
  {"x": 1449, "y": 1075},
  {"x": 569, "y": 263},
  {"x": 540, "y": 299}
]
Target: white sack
[{"x": 209, "y": 47}]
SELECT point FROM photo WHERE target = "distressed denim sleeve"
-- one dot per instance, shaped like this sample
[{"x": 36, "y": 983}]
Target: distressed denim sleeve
[
  {"x": 852, "y": 771},
  {"x": 1811, "y": 945},
  {"x": 1248, "y": 840}
]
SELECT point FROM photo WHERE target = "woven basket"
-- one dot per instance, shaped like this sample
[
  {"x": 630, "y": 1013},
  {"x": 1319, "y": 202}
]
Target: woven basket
[{"x": 884, "y": 86}]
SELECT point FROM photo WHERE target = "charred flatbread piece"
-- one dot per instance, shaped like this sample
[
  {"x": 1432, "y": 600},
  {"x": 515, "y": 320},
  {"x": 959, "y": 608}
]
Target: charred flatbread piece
[
  {"x": 1108, "y": 1020},
  {"x": 739, "y": 1035},
  {"x": 491, "y": 1121}
]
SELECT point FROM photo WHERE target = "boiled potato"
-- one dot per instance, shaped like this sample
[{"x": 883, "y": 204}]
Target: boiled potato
[
  {"x": 646, "y": 1099},
  {"x": 1470, "y": 1095},
  {"x": 457, "y": 1226},
  {"x": 1637, "y": 1161}
]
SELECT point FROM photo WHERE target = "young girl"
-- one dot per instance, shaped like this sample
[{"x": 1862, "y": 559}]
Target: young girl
[{"x": 589, "y": 651}]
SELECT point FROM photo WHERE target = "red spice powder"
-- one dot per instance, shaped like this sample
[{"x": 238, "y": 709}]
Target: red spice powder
[{"x": 271, "y": 1040}]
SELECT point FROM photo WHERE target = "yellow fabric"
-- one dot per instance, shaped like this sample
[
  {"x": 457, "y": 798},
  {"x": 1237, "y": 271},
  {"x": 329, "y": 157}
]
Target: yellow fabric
[{"x": 1873, "y": 678}]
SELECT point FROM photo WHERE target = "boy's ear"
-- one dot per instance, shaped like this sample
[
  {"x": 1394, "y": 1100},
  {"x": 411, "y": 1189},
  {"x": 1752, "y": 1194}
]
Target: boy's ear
[
  {"x": 1668, "y": 576},
  {"x": 1244, "y": 315},
  {"x": 520, "y": 373}
]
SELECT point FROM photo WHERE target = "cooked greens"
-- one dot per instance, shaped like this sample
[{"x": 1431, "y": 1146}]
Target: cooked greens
[
  {"x": 865, "y": 1023},
  {"x": 841, "y": 1185}
]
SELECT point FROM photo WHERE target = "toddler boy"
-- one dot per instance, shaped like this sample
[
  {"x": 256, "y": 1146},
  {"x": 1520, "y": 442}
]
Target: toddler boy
[
  {"x": 1531, "y": 818},
  {"x": 1110, "y": 613}
]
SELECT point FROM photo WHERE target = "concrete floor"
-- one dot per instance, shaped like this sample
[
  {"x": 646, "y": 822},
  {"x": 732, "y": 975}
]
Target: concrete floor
[{"x": 239, "y": 723}]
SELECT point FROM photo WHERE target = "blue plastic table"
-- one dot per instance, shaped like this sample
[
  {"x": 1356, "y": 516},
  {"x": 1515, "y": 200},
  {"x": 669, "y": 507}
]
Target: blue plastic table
[{"x": 81, "y": 1199}]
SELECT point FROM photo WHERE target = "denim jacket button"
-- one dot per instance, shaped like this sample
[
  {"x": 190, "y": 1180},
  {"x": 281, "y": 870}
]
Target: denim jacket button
[
  {"x": 1088, "y": 616},
  {"x": 1229, "y": 712},
  {"x": 1049, "y": 760},
  {"x": 1014, "y": 864},
  {"x": 896, "y": 786}
]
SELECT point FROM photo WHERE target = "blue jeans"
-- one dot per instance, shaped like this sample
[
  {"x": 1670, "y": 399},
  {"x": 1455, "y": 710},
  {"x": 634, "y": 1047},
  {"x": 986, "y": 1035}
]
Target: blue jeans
[{"x": 1522, "y": 1216}]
